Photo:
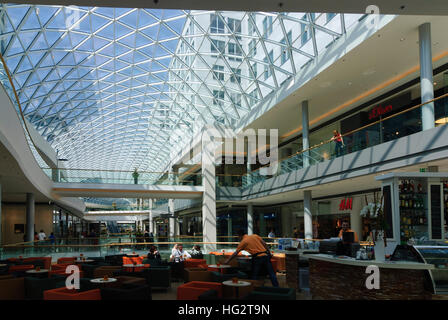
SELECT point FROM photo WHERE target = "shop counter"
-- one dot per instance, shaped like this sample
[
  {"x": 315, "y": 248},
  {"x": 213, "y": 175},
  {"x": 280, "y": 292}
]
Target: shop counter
[{"x": 337, "y": 278}]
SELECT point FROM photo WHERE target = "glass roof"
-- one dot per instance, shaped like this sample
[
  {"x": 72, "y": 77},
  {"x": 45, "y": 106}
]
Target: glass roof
[{"x": 118, "y": 89}]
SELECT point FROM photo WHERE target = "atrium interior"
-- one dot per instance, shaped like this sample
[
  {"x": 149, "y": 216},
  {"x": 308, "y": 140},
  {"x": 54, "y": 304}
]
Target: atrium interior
[{"x": 129, "y": 131}]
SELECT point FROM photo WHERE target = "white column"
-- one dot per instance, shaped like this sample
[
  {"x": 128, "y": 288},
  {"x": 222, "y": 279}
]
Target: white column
[
  {"x": 355, "y": 217},
  {"x": 176, "y": 227},
  {"x": 209, "y": 195},
  {"x": 305, "y": 134},
  {"x": 307, "y": 216},
  {"x": 150, "y": 225},
  {"x": 176, "y": 175},
  {"x": 248, "y": 171},
  {"x": 172, "y": 220},
  {"x": 426, "y": 75},
  {"x": 250, "y": 218},
  {"x": 30, "y": 212}
]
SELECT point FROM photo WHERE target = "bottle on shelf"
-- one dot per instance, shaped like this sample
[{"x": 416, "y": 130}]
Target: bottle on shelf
[{"x": 411, "y": 186}]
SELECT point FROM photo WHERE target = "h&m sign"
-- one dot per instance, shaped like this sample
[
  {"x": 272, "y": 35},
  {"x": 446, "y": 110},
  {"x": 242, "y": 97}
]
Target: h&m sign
[{"x": 346, "y": 204}]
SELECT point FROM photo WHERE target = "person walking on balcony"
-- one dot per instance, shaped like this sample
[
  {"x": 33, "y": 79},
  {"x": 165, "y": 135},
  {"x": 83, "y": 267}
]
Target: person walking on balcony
[
  {"x": 337, "y": 138},
  {"x": 135, "y": 176},
  {"x": 42, "y": 236}
]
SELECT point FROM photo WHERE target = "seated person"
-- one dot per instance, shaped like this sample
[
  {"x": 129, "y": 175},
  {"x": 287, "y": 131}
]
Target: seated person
[
  {"x": 154, "y": 254},
  {"x": 196, "y": 252},
  {"x": 178, "y": 254},
  {"x": 345, "y": 228},
  {"x": 177, "y": 258}
]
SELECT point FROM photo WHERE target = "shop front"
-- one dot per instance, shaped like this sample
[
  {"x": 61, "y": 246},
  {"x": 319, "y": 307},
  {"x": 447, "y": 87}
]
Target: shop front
[
  {"x": 331, "y": 212},
  {"x": 415, "y": 207}
]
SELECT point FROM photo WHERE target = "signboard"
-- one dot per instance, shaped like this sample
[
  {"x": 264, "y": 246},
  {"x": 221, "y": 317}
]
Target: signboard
[
  {"x": 378, "y": 111},
  {"x": 346, "y": 204}
]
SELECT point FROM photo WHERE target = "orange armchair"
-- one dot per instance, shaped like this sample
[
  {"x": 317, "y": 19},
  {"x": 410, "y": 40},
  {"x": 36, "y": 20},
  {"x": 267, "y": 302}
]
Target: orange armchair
[
  {"x": 194, "y": 263},
  {"x": 134, "y": 260},
  {"x": 20, "y": 268},
  {"x": 65, "y": 294},
  {"x": 192, "y": 290},
  {"x": 60, "y": 267},
  {"x": 47, "y": 261},
  {"x": 197, "y": 274}
]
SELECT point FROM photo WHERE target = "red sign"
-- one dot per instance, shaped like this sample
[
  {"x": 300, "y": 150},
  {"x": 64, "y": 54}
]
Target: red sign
[
  {"x": 346, "y": 204},
  {"x": 379, "y": 111}
]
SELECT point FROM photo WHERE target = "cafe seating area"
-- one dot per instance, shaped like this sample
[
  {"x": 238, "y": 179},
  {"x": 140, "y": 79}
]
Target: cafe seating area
[
  {"x": 214, "y": 282},
  {"x": 132, "y": 276},
  {"x": 38, "y": 279}
]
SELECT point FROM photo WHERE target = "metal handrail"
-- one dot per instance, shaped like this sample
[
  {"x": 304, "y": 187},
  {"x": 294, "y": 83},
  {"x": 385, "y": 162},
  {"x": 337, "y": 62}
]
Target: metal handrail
[
  {"x": 344, "y": 135},
  {"x": 124, "y": 171}
]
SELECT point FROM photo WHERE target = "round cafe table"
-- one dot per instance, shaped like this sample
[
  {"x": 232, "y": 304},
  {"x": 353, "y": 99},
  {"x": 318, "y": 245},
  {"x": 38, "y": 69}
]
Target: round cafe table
[
  {"x": 132, "y": 254},
  {"x": 221, "y": 267},
  {"x": 133, "y": 266},
  {"x": 236, "y": 285},
  {"x": 101, "y": 281}
]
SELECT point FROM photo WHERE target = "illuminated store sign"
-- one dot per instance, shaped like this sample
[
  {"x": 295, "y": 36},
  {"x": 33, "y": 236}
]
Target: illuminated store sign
[
  {"x": 346, "y": 204},
  {"x": 379, "y": 111}
]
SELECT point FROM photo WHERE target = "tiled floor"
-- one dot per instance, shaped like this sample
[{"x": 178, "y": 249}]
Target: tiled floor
[{"x": 170, "y": 294}]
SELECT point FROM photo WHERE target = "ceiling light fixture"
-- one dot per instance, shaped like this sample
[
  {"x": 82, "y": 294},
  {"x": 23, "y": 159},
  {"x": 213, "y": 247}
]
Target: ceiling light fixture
[{"x": 442, "y": 120}]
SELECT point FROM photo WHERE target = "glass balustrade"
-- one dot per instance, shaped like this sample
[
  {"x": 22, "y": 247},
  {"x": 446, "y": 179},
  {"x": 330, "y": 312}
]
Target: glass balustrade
[
  {"x": 117, "y": 244},
  {"x": 389, "y": 128},
  {"x": 122, "y": 177}
]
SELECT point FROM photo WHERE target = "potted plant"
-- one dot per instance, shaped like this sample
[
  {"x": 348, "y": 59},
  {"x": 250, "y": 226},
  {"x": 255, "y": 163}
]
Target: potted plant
[{"x": 374, "y": 213}]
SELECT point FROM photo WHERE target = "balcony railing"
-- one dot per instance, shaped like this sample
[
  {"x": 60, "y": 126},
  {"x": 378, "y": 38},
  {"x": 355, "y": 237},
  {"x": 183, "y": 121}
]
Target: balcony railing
[
  {"x": 123, "y": 177},
  {"x": 399, "y": 125}
]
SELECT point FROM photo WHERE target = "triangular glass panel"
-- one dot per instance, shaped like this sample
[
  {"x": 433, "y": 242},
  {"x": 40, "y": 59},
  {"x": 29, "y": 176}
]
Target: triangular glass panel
[
  {"x": 16, "y": 15},
  {"x": 31, "y": 21}
]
